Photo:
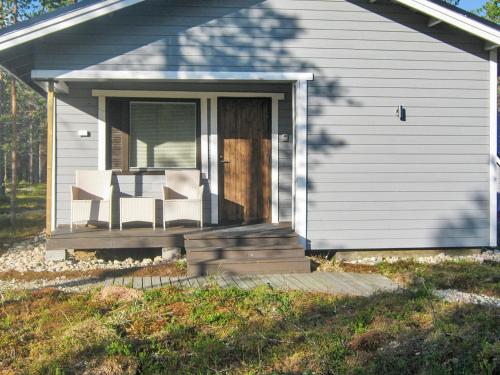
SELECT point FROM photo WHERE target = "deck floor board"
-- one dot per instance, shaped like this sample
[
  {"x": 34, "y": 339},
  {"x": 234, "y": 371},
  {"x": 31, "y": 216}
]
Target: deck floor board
[{"x": 327, "y": 282}]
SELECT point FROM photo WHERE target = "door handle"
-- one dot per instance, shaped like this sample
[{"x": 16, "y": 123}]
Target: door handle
[{"x": 224, "y": 161}]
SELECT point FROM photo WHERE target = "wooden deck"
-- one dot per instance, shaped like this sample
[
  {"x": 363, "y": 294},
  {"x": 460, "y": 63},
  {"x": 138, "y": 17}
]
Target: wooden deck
[
  {"x": 344, "y": 283},
  {"x": 135, "y": 238},
  {"x": 243, "y": 249},
  {"x": 90, "y": 238}
]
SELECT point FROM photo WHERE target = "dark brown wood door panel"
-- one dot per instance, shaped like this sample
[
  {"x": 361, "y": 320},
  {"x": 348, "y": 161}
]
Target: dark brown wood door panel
[{"x": 244, "y": 132}]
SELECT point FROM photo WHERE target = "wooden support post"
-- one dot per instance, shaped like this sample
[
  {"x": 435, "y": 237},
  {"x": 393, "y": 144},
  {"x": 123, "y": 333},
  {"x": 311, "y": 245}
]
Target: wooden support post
[{"x": 50, "y": 145}]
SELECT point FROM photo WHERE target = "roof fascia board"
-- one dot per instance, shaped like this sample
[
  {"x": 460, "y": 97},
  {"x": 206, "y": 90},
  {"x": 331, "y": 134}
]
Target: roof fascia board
[
  {"x": 108, "y": 6},
  {"x": 455, "y": 19},
  {"x": 63, "y": 21},
  {"x": 113, "y": 75}
]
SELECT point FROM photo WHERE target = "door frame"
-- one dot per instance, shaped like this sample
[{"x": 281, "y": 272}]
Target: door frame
[{"x": 269, "y": 161}]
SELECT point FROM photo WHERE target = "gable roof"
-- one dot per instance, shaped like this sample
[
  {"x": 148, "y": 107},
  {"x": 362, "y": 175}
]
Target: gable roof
[
  {"x": 86, "y": 10},
  {"x": 457, "y": 17},
  {"x": 58, "y": 20}
]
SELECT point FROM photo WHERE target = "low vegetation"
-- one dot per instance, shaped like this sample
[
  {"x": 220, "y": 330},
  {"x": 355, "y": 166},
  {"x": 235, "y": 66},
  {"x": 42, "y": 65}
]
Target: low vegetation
[
  {"x": 466, "y": 276},
  {"x": 232, "y": 331},
  {"x": 30, "y": 214},
  {"x": 472, "y": 277}
]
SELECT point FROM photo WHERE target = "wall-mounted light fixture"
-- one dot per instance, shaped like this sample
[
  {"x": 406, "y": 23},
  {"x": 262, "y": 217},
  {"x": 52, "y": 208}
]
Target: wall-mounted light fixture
[
  {"x": 83, "y": 133},
  {"x": 401, "y": 113},
  {"x": 284, "y": 137}
]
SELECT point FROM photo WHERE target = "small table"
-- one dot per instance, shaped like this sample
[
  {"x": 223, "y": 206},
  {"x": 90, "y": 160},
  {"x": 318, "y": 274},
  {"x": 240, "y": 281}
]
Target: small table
[{"x": 137, "y": 209}]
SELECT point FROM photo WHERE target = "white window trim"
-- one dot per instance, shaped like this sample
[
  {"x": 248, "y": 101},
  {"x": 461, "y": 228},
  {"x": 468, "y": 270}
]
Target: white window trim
[
  {"x": 493, "y": 146},
  {"x": 214, "y": 160},
  {"x": 300, "y": 162},
  {"x": 101, "y": 134},
  {"x": 204, "y": 137},
  {"x": 209, "y": 143},
  {"x": 182, "y": 94}
]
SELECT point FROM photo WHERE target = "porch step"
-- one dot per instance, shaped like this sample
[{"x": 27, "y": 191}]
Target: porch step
[
  {"x": 249, "y": 266},
  {"x": 251, "y": 249},
  {"x": 242, "y": 241},
  {"x": 250, "y": 231},
  {"x": 243, "y": 252}
]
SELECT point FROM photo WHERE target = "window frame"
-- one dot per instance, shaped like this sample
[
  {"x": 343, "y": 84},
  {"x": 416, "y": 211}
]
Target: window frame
[{"x": 157, "y": 170}]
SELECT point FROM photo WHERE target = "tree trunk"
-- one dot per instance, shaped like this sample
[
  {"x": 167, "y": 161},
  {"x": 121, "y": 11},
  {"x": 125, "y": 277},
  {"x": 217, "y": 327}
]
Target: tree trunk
[
  {"x": 5, "y": 171},
  {"x": 42, "y": 156},
  {"x": 2, "y": 87},
  {"x": 2, "y": 175},
  {"x": 13, "y": 191},
  {"x": 13, "y": 97},
  {"x": 36, "y": 152},
  {"x": 31, "y": 176}
]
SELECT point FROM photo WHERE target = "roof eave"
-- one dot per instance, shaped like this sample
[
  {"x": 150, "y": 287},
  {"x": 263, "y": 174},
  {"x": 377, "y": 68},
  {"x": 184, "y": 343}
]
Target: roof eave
[
  {"x": 64, "y": 21},
  {"x": 453, "y": 18}
]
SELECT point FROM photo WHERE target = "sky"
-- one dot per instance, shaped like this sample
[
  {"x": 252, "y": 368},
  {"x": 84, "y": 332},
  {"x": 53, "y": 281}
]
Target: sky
[{"x": 471, "y": 4}]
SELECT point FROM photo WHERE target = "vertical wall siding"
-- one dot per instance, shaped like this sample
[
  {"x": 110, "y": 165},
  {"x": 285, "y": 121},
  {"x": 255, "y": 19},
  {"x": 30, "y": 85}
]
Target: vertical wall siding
[
  {"x": 373, "y": 181},
  {"x": 78, "y": 111}
]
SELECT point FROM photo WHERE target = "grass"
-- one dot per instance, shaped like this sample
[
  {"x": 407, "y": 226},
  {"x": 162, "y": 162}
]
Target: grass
[
  {"x": 472, "y": 277},
  {"x": 232, "y": 331},
  {"x": 466, "y": 276},
  {"x": 30, "y": 217}
]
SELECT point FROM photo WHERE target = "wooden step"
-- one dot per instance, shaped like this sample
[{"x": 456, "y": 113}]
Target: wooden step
[
  {"x": 249, "y": 266},
  {"x": 251, "y": 231},
  {"x": 242, "y": 241},
  {"x": 243, "y": 252}
]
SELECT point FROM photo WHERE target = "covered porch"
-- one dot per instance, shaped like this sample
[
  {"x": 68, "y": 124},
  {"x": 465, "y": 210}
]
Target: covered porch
[
  {"x": 245, "y": 133},
  {"x": 273, "y": 189}
]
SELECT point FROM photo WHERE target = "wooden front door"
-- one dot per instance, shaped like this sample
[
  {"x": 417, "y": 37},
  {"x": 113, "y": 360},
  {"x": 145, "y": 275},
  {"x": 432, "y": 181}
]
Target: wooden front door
[{"x": 244, "y": 133}]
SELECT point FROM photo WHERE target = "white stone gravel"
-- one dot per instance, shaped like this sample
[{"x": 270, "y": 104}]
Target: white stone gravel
[
  {"x": 61, "y": 283},
  {"x": 453, "y": 295},
  {"x": 30, "y": 256},
  {"x": 488, "y": 255}
]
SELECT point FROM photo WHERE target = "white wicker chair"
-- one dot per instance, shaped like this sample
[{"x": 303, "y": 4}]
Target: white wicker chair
[
  {"x": 91, "y": 198},
  {"x": 182, "y": 196}
]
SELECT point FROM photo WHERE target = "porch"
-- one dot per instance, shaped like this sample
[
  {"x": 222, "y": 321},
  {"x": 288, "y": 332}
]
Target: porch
[
  {"x": 246, "y": 145},
  {"x": 236, "y": 249}
]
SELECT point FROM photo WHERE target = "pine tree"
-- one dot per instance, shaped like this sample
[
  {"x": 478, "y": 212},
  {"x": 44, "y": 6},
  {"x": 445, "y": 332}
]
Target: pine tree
[
  {"x": 13, "y": 140},
  {"x": 2, "y": 87}
]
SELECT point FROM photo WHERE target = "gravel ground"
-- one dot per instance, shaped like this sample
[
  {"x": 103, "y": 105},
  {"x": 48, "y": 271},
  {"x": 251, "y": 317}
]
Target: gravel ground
[
  {"x": 30, "y": 256},
  {"x": 61, "y": 283},
  {"x": 488, "y": 255},
  {"x": 452, "y": 295}
]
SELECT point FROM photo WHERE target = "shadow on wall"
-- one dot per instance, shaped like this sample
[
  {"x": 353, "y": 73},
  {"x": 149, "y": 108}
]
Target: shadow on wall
[
  {"x": 248, "y": 36},
  {"x": 472, "y": 225},
  {"x": 224, "y": 36}
]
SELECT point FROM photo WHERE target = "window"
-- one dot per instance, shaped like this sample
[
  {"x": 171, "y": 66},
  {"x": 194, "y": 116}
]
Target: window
[{"x": 162, "y": 135}]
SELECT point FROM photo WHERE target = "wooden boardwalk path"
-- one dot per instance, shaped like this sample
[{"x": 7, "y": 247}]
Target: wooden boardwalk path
[{"x": 328, "y": 282}]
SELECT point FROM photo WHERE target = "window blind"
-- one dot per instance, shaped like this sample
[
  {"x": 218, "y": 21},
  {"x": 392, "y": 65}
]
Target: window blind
[{"x": 162, "y": 135}]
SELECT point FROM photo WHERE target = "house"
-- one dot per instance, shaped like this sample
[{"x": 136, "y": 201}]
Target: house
[{"x": 365, "y": 124}]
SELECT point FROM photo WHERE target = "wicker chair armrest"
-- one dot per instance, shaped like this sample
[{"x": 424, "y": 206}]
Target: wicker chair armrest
[{"x": 75, "y": 193}]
